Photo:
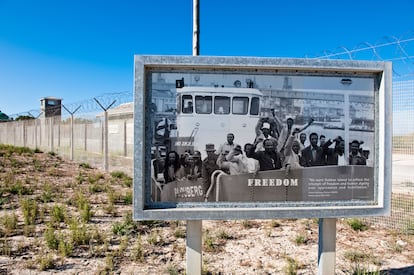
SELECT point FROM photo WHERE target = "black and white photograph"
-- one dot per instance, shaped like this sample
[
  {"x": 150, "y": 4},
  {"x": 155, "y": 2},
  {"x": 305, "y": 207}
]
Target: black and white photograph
[
  {"x": 240, "y": 137},
  {"x": 261, "y": 137}
]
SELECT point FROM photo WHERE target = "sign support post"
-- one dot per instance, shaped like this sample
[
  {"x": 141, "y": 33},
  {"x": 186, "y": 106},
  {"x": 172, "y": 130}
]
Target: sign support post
[
  {"x": 193, "y": 245},
  {"x": 327, "y": 246},
  {"x": 359, "y": 94}
]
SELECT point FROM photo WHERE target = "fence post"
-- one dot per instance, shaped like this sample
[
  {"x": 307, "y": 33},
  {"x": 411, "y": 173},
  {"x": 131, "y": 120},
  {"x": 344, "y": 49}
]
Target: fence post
[
  {"x": 14, "y": 134},
  {"x": 106, "y": 166},
  {"x": 35, "y": 130},
  {"x": 86, "y": 137},
  {"x": 24, "y": 134},
  {"x": 102, "y": 136},
  {"x": 125, "y": 139},
  {"x": 59, "y": 133},
  {"x": 72, "y": 136},
  {"x": 52, "y": 144},
  {"x": 40, "y": 135}
]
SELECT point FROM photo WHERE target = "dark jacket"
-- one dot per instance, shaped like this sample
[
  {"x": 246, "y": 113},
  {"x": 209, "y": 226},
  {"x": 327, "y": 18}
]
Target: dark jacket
[
  {"x": 268, "y": 160},
  {"x": 307, "y": 158}
]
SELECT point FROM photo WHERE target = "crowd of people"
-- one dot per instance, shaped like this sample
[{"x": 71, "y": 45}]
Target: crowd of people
[{"x": 276, "y": 146}]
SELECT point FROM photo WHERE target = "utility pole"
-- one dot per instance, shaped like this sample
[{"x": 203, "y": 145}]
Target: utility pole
[
  {"x": 196, "y": 28},
  {"x": 194, "y": 227}
]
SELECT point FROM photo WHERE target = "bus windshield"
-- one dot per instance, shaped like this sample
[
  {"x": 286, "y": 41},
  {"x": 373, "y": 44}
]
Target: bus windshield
[
  {"x": 203, "y": 104},
  {"x": 240, "y": 105},
  {"x": 187, "y": 104},
  {"x": 254, "y": 108},
  {"x": 221, "y": 105}
]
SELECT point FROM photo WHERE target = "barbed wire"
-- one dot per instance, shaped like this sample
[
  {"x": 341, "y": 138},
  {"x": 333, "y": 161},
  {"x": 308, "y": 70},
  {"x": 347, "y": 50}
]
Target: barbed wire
[
  {"x": 84, "y": 106},
  {"x": 399, "y": 50},
  {"x": 90, "y": 105}
]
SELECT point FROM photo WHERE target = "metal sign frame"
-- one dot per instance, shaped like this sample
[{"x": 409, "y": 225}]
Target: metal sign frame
[{"x": 148, "y": 68}]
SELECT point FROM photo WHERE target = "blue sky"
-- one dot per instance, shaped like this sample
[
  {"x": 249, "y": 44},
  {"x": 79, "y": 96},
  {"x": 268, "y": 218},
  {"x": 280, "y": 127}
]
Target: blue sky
[{"x": 78, "y": 50}]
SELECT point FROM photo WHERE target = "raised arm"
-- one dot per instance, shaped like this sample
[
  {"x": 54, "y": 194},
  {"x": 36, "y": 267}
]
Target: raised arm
[{"x": 311, "y": 120}]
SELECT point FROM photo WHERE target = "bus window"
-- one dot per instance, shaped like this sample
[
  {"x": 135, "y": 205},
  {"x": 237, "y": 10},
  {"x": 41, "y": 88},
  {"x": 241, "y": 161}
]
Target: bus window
[
  {"x": 240, "y": 105},
  {"x": 187, "y": 104},
  {"x": 254, "y": 108},
  {"x": 203, "y": 104},
  {"x": 221, "y": 105}
]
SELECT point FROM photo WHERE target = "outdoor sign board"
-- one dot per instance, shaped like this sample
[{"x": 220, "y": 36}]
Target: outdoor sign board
[{"x": 258, "y": 138}]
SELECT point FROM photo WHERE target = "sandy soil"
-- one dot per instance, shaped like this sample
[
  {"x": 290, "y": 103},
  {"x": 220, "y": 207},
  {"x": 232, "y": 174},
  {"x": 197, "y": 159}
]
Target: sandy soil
[{"x": 107, "y": 241}]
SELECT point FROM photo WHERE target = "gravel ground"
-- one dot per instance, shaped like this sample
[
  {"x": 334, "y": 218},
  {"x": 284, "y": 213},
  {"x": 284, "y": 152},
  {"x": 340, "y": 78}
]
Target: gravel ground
[{"x": 101, "y": 238}]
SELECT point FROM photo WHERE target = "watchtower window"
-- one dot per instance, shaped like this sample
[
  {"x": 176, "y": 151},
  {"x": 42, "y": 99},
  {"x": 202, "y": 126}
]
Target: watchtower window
[{"x": 51, "y": 102}]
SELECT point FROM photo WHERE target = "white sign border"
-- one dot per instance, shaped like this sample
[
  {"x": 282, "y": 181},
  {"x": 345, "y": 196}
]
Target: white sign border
[{"x": 226, "y": 210}]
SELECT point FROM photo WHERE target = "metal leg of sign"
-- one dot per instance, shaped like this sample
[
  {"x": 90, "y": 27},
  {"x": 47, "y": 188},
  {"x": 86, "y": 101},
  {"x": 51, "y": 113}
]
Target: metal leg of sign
[
  {"x": 327, "y": 246},
  {"x": 193, "y": 242}
]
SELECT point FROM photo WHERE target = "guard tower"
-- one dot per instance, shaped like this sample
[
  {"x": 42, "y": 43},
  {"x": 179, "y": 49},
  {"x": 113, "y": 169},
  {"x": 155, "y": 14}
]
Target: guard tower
[
  {"x": 50, "y": 107},
  {"x": 4, "y": 117}
]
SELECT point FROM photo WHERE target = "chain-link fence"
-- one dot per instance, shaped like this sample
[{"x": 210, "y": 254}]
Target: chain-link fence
[
  {"x": 97, "y": 131},
  {"x": 402, "y": 203},
  {"x": 399, "y": 50}
]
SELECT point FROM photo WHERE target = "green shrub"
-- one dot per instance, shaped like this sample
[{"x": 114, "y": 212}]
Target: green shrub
[
  {"x": 9, "y": 223},
  {"x": 19, "y": 189},
  {"x": 30, "y": 211},
  {"x": 179, "y": 233},
  {"x": 292, "y": 266},
  {"x": 46, "y": 262},
  {"x": 128, "y": 197},
  {"x": 274, "y": 223},
  {"x": 126, "y": 227},
  {"x": 65, "y": 248},
  {"x": 300, "y": 239},
  {"x": 95, "y": 178},
  {"x": 47, "y": 194},
  {"x": 126, "y": 180},
  {"x": 96, "y": 188},
  {"x": 85, "y": 165},
  {"x": 86, "y": 213},
  {"x": 357, "y": 224},
  {"x": 247, "y": 224},
  {"x": 155, "y": 238},
  {"x": 138, "y": 253},
  {"x": 58, "y": 213},
  {"x": 5, "y": 247},
  {"x": 119, "y": 228},
  {"x": 223, "y": 235},
  {"x": 79, "y": 233},
  {"x": 50, "y": 237},
  {"x": 10, "y": 149}
]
